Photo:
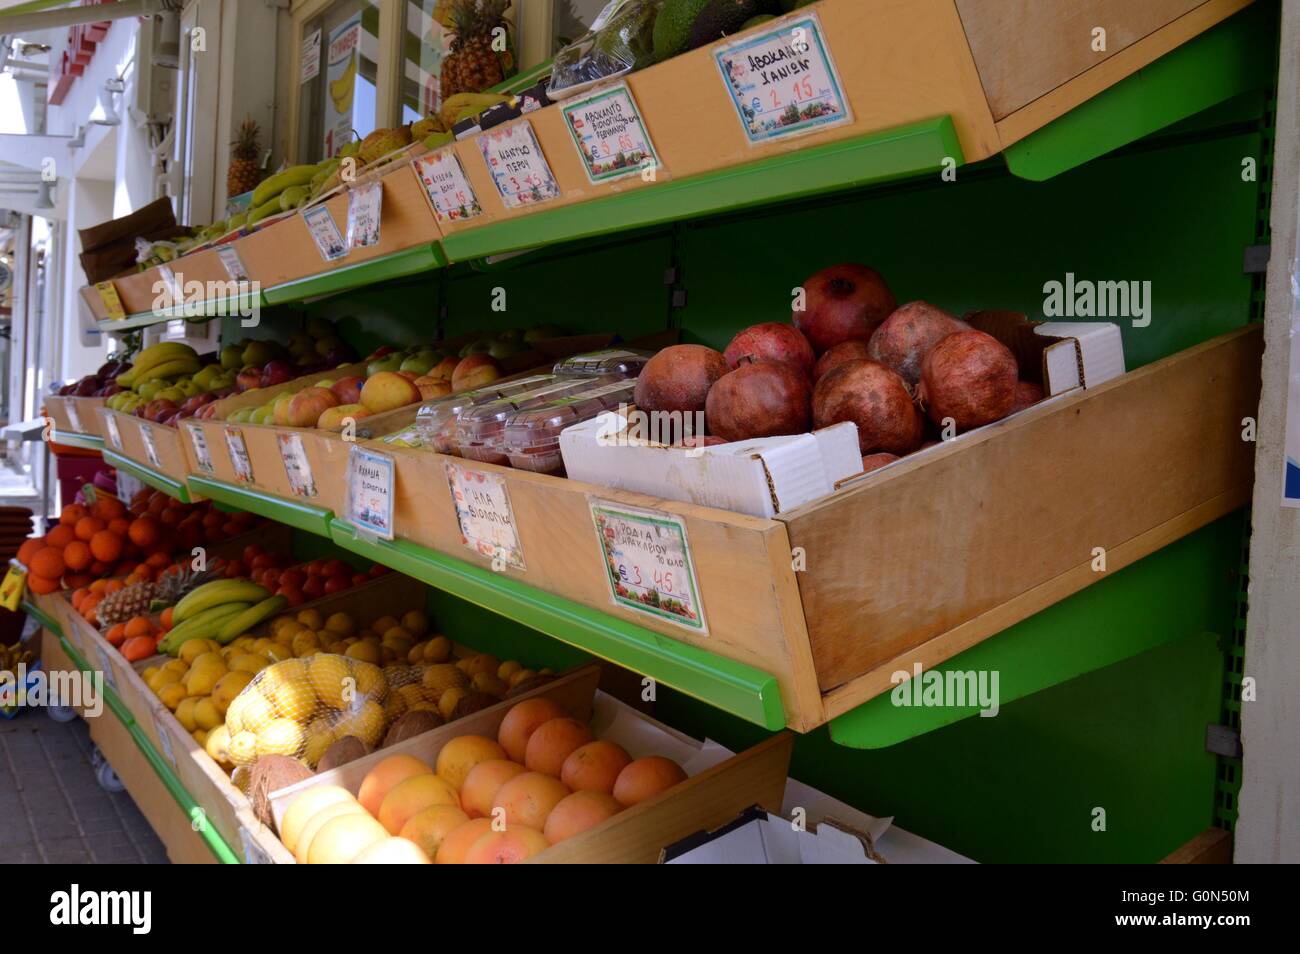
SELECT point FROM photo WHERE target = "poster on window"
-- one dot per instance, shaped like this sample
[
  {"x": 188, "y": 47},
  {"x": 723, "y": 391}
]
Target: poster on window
[{"x": 342, "y": 61}]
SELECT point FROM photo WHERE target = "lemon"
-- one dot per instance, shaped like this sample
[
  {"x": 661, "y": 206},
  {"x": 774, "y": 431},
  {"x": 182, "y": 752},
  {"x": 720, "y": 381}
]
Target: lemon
[
  {"x": 311, "y": 618},
  {"x": 218, "y": 744},
  {"x": 280, "y": 737},
  {"x": 370, "y": 681},
  {"x": 243, "y": 748},
  {"x": 332, "y": 679},
  {"x": 294, "y": 700},
  {"x": 364, "y": 651},
  {"x": 206, "y": 714},
  {"x": 341, "y": 623},
  {"x": 366, "y": 722},
  {"x": 437, "y": 650},
  {"x": 415, "y": 622},
  {"x": 185, "y": 713},
  {"x": 172, "y": 695},
  {"x": 201, "y": 682}
]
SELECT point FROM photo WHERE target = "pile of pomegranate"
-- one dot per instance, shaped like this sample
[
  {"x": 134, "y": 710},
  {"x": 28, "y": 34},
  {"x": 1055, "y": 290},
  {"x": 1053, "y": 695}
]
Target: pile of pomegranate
[{"x": 906, "y": 375}]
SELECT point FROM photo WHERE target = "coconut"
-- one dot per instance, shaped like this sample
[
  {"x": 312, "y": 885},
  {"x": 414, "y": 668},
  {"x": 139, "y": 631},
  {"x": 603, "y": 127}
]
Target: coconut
[
  {"x": 342, "y": 751},
  {"x": 472, "y": 702},
  {"x": 416, "y": 722},
  {"x": 270, "y": 773},
  {"x": 969, "y": 377}
]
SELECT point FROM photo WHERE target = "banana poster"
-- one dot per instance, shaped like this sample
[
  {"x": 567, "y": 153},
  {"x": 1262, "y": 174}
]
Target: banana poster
[{"x": 342, "y": 61}]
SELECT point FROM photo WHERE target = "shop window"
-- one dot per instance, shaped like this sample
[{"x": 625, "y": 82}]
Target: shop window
[
  {"x": 338, "y": 78},
  {"x": 424, "y": 45}
]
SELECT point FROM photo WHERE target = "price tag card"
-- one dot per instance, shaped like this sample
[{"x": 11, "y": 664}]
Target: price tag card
[
  {"x": 610, "y": 134},
  {"x": 74, "y": 418},
  {"x": 517, "y": 165},
  {"x": 371, "y": 477},
  {"x": 199, "y": 441},
  {"x": 487, "y": 522},
  {"x": 114, "y": 435},
  {"x": 324, "y": 233},
  {"x": 783, "y": 81},
  {"x": 164, "y": 738},
  {"x": 106, "y": 665},
  {"x": 254, "y": 854},
  {"x": 239, "y": 459},
  {"x": 447, "y": 187},
  {"x": 365, "y": 203},
  {"x": 648, "y": 563},
  {"x": 296, "y": 466},
  {"x": 112, "y": 302},
  {"x": 231, "y": 262},
  {"x": 14, "y": 587},
  {"x": 170, "y": 294},
  {"x": 150, "y": 445}
]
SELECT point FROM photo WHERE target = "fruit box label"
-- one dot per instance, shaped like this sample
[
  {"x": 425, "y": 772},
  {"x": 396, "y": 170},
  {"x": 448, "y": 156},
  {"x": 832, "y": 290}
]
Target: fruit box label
[
  {"x": 648, "y": 563},
  {"x": 487, "y": 521},
  {"x": 150, "y": 446},
  {"x": 447, "y": 187},
  {"x": 370, "y": 492},
  {"x": 164, "y": 738},
  {"x": 231, "y": 262},
  {"x": 517, "y": 166},
  {"x": 106, "y": 665},
  {"x": 610, "y": 135},
  {"x": 365, "y": 204},
  {"x": 783, "y": 81},
  {"x": 114, "y": 435},
  {"x": 296, "y": 466},
  {"x": 254, "y": 854},
  {"x": 107, "y": 292},
  {"x": 239, "y": 459},
  {"x": 74, "y": 418},
  {"x": 199, "y": 441},
  {"x": 329, "y": 242}
]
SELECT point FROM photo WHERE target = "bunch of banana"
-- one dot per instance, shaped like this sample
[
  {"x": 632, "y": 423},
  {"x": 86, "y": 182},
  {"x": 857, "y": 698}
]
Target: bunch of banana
[
  {"x": 220, "y": 610},
  {"x": 164, "y": 360},
  {"x": 265, "y": 199},
  {"x": 464, "y": 105}
]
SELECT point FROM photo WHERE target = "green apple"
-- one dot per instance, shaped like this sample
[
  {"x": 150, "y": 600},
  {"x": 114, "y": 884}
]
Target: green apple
[
  {"x": 232, "y": 357},
  {"x": 503, "y": 348},
  {"x": 420, "y": 362},
  {"x": 263, "y": 415},
  {"x": 389, "y": 362},
  {"x": 190, "y": 388}
]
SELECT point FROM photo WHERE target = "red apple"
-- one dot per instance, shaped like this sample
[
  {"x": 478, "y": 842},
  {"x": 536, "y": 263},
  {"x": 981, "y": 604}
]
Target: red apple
[
  {"x": 278, "y": 372},
  {"x": 348, "y": 390},
  {"x": 248, "y": 378},
  {"x": 306, "y": 407},
  {"x": 444, "y": 369},
  {"x": 843, "y": 303},
  {"x": 475, "y": 371},
  {"x": 388, "y": 390}
]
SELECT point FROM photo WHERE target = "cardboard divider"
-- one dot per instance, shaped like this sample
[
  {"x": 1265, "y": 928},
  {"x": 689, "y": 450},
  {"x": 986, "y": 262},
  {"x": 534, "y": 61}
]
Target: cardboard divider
[
  {"x": 76, "y": 415},
  {"x": 157, "y": 447}
]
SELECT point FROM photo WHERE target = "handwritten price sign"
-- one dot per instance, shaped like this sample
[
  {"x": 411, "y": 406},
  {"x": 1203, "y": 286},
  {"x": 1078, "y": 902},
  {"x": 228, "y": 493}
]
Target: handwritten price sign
[
  {"x": 487, "y": 521},
  {"x": 610, "y": 135},
  {"x": 445, "y": 183},
  {"x": 648, "y": 563},
  {"x": 517, "y": 165},
  {"x": 783, "y": 82}
]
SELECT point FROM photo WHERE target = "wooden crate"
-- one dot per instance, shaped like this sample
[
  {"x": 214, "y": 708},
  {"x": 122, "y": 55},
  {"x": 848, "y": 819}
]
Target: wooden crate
[
  {"x": 140, "y": 291},
  {"x": 76, "y": 415},
  {"x": 157, "y": 447},
  {"x": 1010, "y": 513},
  {"x": 756, "y": 776}
]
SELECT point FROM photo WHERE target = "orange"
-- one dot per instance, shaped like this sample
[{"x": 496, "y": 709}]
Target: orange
[
  {"x": 71, "y": 514},
  {"x": 137, "y": 626},
  {"x": 87, "y": 527},
  {"x": 79, "y": 596},
  {"x": 166, "y": 617},
  {"x": 144, "y": 532},
  {"x": 98, "y": 586},
  {"x": 76, "y": 555},
  {"x": 60, "y": 537},
  {"x": 29, "y": 547},
  {"x": 116, "y": 634},
  {"x": 106, "y": 546},
  {"x": 108, "y": 508},
  {"x": 77, "y": 581},
  {"x": 49, "y": 564},
  {"x": 41, "y": 585},
  {"x": 158, "y": 560},
  {"x": 119, "y": 525},
  {"x": 100, "y": 568},
  {"x": 113, "y": 587}
]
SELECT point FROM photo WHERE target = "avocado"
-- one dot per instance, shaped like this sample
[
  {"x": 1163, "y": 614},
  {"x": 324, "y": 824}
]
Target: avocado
[
  {"x": 673, "y": 27},
  {"x": 719, "y": 18}
]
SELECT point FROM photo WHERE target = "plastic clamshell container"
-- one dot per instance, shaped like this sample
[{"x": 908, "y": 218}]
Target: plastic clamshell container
[
  {"x": 531, "y": 438},
  {"x": 478, "y": 429},
  {"x": 436, "y": 420},
  {"x": 622, "y": 361}
]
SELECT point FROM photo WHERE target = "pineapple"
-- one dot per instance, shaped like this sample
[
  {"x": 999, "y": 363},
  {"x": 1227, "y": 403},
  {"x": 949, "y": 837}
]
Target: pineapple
[
  {"x": 244, "y": 172},
  {"x": 177, "y": 583},
  {"x": 125, "y": 604},
  {"x": 472, "y": 65}
]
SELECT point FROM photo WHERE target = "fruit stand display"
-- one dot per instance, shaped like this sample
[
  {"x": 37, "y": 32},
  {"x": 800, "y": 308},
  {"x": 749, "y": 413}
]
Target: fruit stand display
[{"x": 776, "y": 413}]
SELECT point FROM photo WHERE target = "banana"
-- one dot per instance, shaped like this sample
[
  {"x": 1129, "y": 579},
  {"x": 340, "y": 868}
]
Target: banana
[
  {"x": 292, "y": 197},
  {"x": 455, "y": 107},
  {"x": 154, "y": 355},
  {"x": 238, "y": 625},
  {"x": 202, "y": 626},
  {"x": 214, "y": 594},
  {"x": 270, "y": 187},
  {"x": 170, "y": 369},
  {"x": 270, "y": 207}
]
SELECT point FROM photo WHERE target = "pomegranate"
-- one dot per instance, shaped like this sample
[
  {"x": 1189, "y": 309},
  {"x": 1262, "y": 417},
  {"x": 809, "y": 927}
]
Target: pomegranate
[
  {"x": 699, "y": 440},
  {"x": 970, "y": 377},
  {"x": 678, "y": 378},
  {"x": 759, "y": 399},
  {"x": 837, "y": 355},
  {"x": 875, "y": 399},
  {"x": 907, "y": 336},
  {"x": 1027, "y": 395},
  {"x": 771, "y": 341},
  {"x": 843, "y": 303},
  {"x": 876, "y": 461}
]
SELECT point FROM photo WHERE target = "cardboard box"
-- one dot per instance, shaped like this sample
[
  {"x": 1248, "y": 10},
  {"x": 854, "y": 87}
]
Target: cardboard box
[
  {"x": 760, "y": 477},
  {"x": 1059, "y": 355}
]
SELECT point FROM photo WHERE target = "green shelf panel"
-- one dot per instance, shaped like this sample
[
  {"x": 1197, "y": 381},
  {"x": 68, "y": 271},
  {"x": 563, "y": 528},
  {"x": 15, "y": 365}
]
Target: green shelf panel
[
  {"x": 294, "y": 513},
  {"x": 217, "y": 308},
  {"x": 897, "y": 153},
  {"x": 1205, "y": 71},
  {"x": 156, "y": 480},
  {"x": 411, "y": 261},
  {"x": 85, "y": 441},
  {"x": 1135, "y": 610},
  {"x": 722, "y": 683}
]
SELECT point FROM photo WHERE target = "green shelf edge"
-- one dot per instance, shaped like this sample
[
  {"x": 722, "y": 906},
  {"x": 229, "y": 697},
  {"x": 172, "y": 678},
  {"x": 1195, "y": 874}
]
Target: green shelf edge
[
  {"x": 218, "y": 308},
  {"x": 1208, "y": 69},
  {"x": 169, "y": 486},
  {"x": 293, "y": 513},
  {"x": 84, "y": 441},
  {"x": 411, "y": 261},
  {"x": 733, "y": 687},
  {"x": 880, "y": 157},
  {"x": 216, "y": 844}
]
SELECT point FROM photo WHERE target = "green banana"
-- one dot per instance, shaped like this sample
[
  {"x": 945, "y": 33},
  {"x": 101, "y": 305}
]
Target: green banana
[
  {"x": 270, "y": 207},
  {"x": 274, "y": 185},
  {"x": 215, "y": 594},
  {"x": 202, "y": 626},
  {"x": 170, "y": 369},
  {"x": 238, "y": 625},
  {"x": 292, "y": 197}
]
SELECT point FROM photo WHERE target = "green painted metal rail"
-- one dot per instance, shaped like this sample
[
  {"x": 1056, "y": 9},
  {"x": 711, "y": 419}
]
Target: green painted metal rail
[
  {"x": 880, "y": 157},
  {"x": 155, "y": 479},
  {"x": 216, "y": 308},
  {"x": 734, "y": 687},
  {"x": 216, "y": 844},
  {"x": 84, "y": 441},
  {"x": 403, "y": 264},
  {"x": 294, "y": 513}
]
